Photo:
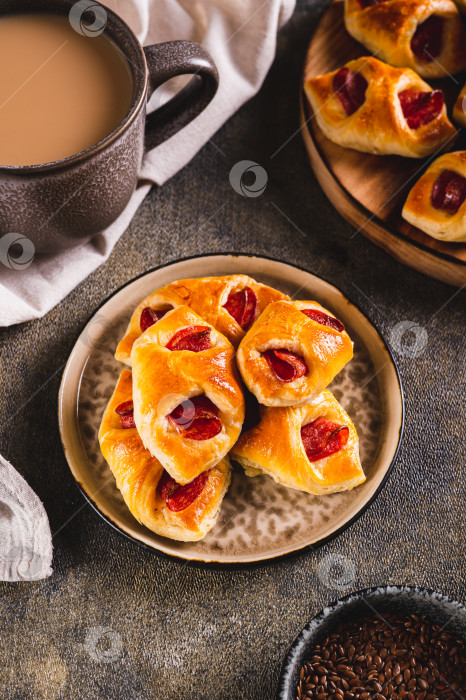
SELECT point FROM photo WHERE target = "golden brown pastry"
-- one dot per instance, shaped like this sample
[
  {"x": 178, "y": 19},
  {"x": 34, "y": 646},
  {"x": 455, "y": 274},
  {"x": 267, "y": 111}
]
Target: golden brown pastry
[
  {"x": 188, "y": 402},
  {"x": 312, "y": 448},
  {"x": 425, "y": 35},
  {"x": 185, "y": 513},
  {"x": 292, "y": 352},
  {"x": 461, "y": 5},
  {"x": 437, "y": 202},
  {"x": 459, "y": 110},
  {"x": 230, "y": 304},
  {"x": 372, "y": 107}
]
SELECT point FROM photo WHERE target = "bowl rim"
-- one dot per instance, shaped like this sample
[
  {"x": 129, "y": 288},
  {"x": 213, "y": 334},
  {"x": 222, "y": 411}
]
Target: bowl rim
[
  {"x": 289, "y": 662},
  {"x": 210, "y": 563}
]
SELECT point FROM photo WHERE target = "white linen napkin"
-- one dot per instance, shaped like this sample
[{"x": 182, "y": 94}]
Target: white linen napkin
[
  {"x": 241, "y": 37},
  {"x": 25, "y": 538}
]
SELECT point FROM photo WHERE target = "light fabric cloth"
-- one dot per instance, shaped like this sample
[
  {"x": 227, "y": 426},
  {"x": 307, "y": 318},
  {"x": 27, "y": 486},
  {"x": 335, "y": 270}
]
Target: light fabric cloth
[
  {"x": 25, "y": 538},
  {"x": 241, "y": 37}
]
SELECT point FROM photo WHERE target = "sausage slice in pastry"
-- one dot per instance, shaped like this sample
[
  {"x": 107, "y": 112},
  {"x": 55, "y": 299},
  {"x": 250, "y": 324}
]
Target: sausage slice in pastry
[
  {"x": 292, "y": 352},
  {"x": 312, "y": 448},
  {"x": 425, "y": 35},
  {"x": 230, "y": 304},
  {"x": 437, "y": 202},
  {"x": 188, "y": 402},
  {"x": 375, "y": 108},
  {"x": 184, "y": 513}
]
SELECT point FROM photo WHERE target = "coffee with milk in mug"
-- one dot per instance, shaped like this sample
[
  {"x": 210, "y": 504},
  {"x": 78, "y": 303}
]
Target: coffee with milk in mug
[{"x": 60, "y": 92}]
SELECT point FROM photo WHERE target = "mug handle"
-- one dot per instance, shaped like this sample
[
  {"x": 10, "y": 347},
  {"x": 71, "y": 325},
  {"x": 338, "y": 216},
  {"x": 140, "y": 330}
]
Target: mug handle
[{"x": 165, "y": 61}]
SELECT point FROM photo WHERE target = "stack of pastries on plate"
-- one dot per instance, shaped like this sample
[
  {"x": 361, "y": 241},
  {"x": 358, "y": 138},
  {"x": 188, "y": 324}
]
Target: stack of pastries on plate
[
  {"x": 382, "y": 105},
  {"x": 178, "y": 413}
]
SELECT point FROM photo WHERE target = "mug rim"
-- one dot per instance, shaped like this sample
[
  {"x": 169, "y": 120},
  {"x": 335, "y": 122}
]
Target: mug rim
[{"x": 136, "y": 104}]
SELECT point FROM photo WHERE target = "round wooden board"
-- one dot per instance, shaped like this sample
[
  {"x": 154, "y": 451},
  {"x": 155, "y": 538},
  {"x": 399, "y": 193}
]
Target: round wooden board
[{"x": 369, "y": 190}]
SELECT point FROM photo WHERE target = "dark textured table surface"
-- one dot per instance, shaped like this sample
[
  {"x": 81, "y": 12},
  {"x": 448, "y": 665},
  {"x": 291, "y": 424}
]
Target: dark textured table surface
[{"x": 180, "y": 631}]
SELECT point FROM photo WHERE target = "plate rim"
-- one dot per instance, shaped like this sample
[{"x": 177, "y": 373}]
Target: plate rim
[{"x": 211, "y": 563}]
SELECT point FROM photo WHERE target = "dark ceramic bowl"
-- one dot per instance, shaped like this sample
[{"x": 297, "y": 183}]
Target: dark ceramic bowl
[
  {"x": 404, "y": 599},
  {"x": 61, "y": 204}
]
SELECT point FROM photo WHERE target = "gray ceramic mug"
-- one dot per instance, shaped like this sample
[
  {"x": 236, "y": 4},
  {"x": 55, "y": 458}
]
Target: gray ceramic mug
[{"x": 61, "y": 204}]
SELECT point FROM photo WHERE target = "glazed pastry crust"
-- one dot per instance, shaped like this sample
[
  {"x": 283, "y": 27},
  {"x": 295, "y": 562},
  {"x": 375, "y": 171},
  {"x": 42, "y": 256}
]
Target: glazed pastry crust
[
  {"x": 283, "y": 325},
  {"x": 388, "y": 28},
  {"x": 206, "y": 296},
  {"x": 419, "y": 211},
  {"x": 459, "y": 110},
  {"x": 378, "y": 126},
  {"x": 274, "y": 447},
  {"x": 137, "y": 474},
  {"x": 162, "y": 379}
]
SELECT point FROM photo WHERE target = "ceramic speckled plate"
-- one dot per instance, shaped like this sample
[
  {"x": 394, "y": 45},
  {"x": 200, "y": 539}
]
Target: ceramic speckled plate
[{"x": 259, "y": 520}]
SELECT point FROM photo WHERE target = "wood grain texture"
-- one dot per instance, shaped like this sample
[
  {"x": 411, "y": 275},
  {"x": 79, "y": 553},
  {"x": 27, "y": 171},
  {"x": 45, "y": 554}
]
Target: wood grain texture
[{"x": 370, "y": 190}]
